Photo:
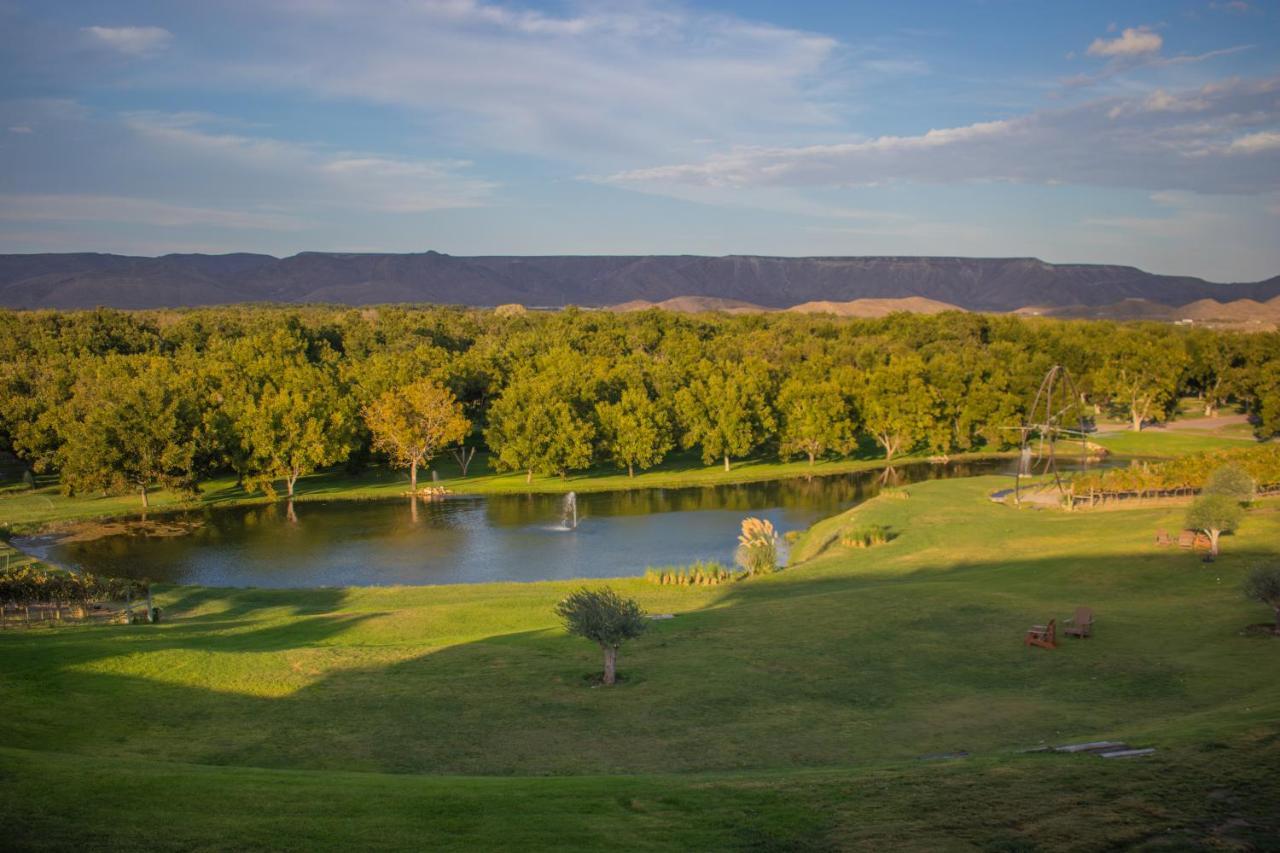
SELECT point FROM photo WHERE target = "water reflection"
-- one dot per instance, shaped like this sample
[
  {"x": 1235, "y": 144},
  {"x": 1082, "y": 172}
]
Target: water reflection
[{"x": 474, "y": 539}]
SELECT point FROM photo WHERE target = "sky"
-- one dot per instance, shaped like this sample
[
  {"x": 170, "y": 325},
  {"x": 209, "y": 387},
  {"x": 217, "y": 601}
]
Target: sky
[{"x": 1143, "y": 133}]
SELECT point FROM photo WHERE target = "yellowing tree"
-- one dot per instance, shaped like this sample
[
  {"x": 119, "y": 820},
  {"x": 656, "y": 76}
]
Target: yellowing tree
[{"x": 412, "y": 424}]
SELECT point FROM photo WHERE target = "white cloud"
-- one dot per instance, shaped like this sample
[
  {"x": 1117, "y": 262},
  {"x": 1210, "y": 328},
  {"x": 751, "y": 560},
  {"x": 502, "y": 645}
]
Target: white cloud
[
  {"x": 1267, "y": 140},
  {"x": 1115, "y": 142},
  {"x": 93, "y": 208},
  {"x": 146, "y": 168},
  {"x": 1132, "y": 41},
  {"x": 608, "y": 80},
  {"x": 130, "y": 41}
]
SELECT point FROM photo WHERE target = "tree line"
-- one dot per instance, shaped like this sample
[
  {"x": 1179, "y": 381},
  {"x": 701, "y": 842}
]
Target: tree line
[{"x": 118, "y": 401}]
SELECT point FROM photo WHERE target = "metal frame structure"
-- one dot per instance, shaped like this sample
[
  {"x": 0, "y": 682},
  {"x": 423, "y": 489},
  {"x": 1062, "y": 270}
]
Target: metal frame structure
[{"x": 1048, "y": 427}]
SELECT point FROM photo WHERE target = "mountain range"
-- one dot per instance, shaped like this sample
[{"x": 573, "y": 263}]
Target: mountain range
[{"x": 85, "y": 280}]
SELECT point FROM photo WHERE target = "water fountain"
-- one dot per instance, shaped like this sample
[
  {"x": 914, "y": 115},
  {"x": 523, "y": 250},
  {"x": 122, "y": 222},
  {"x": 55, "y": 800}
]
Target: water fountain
[{"x": 570, "y": 519}]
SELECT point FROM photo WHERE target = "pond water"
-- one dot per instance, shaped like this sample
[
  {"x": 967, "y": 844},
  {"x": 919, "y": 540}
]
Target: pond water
[{"x": 473, "y": 539}]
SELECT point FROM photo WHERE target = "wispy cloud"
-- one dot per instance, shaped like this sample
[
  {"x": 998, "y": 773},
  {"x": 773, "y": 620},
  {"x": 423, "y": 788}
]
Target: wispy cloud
[
  {"x": 143, "y": 211},
  {"x": 130, "y": 41},
  {"x": 608, "y": 80},
  {"x": 1130, "y": 142},
  {"x": 1133, "y": 41}
]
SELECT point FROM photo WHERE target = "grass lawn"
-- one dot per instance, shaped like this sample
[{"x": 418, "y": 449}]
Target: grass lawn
[
  {"x": 1158, "y": 442},
  {"x": 788, "y": 712}
]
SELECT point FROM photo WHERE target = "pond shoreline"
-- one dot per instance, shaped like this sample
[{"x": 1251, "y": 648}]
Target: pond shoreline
[{"x": 751, "y": 471}]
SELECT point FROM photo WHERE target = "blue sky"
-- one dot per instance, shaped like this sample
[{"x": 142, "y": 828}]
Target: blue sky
[{"x": 1144, "y": 133}]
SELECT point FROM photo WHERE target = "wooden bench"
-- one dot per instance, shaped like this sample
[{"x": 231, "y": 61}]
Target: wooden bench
[
  {"x": 1044, "y": 636},
  {"x": 1163, "y": 538},
  {"x": 1187, "y": 539}
]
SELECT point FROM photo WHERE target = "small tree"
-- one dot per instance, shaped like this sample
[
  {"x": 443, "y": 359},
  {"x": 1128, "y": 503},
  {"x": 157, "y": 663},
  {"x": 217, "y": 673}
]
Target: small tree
[
  {"x": 605, "y": 618},
  {"x": 758, "y": 546},
  {"x": 1263, "y": 584},
  {"x": 1214, "y": 515},
  {"x": 1232, "y": 481}
]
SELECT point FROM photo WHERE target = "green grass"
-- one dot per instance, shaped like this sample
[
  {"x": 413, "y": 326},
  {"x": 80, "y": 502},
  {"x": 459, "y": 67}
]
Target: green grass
[
  {"x": 786, "y": 712},
  {"x": 24, "y": 509},
  {"x": 1156, "y": 442}
]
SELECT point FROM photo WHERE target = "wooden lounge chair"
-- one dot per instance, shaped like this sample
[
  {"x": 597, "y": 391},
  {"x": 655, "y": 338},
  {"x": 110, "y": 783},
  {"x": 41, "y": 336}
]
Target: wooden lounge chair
[
  {"x": 1080, "y": 625},
  {"x": 1044, "y": 636},
  {"x": 1163, "y": 538},
  {"x": 1186, "y": 539}
]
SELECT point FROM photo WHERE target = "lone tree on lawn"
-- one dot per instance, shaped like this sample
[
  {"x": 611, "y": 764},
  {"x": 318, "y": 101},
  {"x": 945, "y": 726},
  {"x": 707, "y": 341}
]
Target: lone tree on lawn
[
  {"x": 1263, "y": 584},
  {"x": 413, "y": 423},
  {"x": 605, "y": 618},
  {"x": 1215, "y": 515}
]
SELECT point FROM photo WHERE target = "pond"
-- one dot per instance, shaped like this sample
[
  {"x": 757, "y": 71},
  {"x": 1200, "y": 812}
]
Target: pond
[{"x": 472, "y": 539}]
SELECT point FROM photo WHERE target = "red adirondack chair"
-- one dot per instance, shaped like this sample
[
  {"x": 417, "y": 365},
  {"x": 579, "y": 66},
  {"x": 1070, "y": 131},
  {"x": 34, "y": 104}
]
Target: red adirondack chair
[{"x": 1044, "y": 636}]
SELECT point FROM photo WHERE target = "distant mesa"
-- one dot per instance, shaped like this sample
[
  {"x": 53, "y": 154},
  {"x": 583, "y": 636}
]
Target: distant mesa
[{"x": 848, "y": 286}]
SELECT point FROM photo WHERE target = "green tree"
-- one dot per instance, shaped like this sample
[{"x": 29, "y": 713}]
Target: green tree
[
  {"x": 412, "y": 424},
  {"x": 297, "y": 423},
  {"x": 1263, "y": 584},
  {"x": 1140, "y": 373},
  {"x": 635, "y": 432},
  {"x": 724, "y": 409},
  {"x": 816, "y": 418},
  {"x": 897, "y": 404},
  {"x": 133, "y": 423},
  {"x": 1231, "y": 480},
  {"x": 1214, "y": 515},
  {"x": 605, "y": 618},
  {"x": 532, "y": 430}
]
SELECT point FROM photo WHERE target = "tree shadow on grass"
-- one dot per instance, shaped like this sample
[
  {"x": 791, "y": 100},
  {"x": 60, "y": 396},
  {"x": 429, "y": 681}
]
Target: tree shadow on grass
[{"x": 811, "y": 671}]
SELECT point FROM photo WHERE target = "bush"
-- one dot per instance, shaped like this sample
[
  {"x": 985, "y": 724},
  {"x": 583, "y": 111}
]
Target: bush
[
  {"x": 758, "y": 547},
  {"x": 1231, "y": 480},
  {"x": 1263, "y": 584},
  {"x": 866, "y": 537},
  {"x": 701, "y": 573}
]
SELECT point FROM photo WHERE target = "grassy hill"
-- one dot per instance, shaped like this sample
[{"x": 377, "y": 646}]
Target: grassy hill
[{"x": 789, "y": 712}]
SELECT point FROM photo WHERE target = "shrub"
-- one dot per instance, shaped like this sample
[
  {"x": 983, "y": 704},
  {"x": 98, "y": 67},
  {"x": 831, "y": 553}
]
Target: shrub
[
  {"x": 701, "y": 573},
  {"x": 1231, "y": 480},
  {"x": 758, "y": 547},
  {"x": 866, "y": 537},
  {"x": 1263, "y": 584}
]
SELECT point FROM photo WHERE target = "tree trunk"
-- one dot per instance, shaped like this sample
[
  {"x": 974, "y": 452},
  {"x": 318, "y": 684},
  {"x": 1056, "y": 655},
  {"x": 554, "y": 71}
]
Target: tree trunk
[
  {"x": 1137, "y": 420},
  {"x": 631, "y": 470},
  {"x": 1213, "y": 541},
  {"x": 528, "y": 476},
  {"x": 811, "y": 457},
  {"x": 610, "y": 665},
  {"x": 145, "y": 503},
  {"x": 726, "y": 462},
  {"x": 289, "y": 481},
  {"x": 150, "y": 606},
  {"x": 413, "y": 476}
]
